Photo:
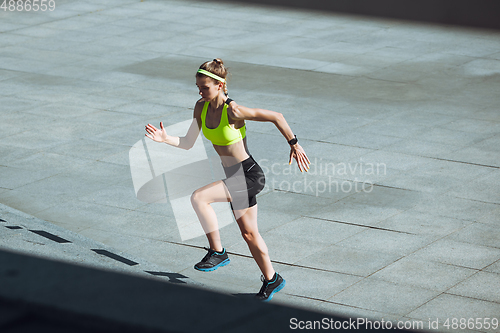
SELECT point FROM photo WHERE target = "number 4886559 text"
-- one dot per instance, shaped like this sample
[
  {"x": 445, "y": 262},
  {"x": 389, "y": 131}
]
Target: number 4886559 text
[{"x": 28, "y": 5}]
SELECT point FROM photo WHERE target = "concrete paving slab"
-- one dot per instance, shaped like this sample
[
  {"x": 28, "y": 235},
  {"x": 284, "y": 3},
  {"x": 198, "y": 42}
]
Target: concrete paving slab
[
  {"x": 459, "y": 253},
  {"x": 387, "y": 242},
  {"x": 77, "y": 214},
  {"x": 182, "y": 258},
  {"x": 380, "y": 196},
  {"x": 326, "y": 232},
  {"x": 473, "y": 126},
  {"x": 446, "y": 136},
  {"x": 454, "y": 207},
  {"x": 348, "y": 260},
  {"x": 422, "y": 148},
  {"x": 490, "y": 215},
  {"x": 495, "y": 267},
  {"x": 21, "y": 140},
  {"x": 115, "y": 195},
  {"x": 325, "y": 307},
  {"x": 478, "y": 233},
  {"x": 10, "y": 181},
  {"x": 7, "y": 74},
  {"x": 323, "y": 151},
  {"x": 32, "y": 203},
  {"x": 480, "y": 189},
  {"x": 422, "y": 223},
  {"x": 479, "y": 286},
  {"x": 394, "y": 160},
  {"x": 360, "y": 214},
  {"x": 490, "y": 143},
  {"x": 288, "y": 202},
  {"x": 424, "y": 274},
  {"x": 88, "y": 149},
  {"x": 362, "y": 137},
  {"x": 282, "y": 250},
  {"x": 142, "y": 225},
  {"x": 475, "y": 154},
  {"x": 46, "y": 160},
  {"x": 315, "y": 283},
  {"x": 461, "y": 307},
  {"x": 439, "y": 177},
  {"x": 63, "y": 185},
  {"x": 374, "y": 294}
]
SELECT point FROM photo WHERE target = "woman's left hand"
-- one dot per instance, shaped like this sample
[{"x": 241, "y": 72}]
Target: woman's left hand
[{"x": 297, "y": 152}]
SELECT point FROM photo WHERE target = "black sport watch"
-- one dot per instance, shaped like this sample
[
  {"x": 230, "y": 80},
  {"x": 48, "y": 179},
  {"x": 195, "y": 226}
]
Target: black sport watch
[{"x": 293, "y": 141}]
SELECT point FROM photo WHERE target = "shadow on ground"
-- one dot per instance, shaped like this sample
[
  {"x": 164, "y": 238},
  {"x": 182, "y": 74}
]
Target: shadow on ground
[{"x": 52, "y": 296}]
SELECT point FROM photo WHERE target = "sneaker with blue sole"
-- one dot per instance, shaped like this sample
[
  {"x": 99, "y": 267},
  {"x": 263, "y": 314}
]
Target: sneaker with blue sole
[
  {"x": 269, "y": 288},
  {"x": 212, "y": 261}
]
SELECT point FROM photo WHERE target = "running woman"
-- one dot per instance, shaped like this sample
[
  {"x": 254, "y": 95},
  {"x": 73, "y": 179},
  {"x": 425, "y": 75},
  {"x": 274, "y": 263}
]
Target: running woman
[{"x": 223, "y": 123}]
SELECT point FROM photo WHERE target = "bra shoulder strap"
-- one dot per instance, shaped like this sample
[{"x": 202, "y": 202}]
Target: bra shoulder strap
[{"x": 204, "y": 111}]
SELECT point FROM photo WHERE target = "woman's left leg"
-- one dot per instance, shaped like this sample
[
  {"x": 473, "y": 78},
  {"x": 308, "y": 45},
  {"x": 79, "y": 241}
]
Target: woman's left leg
[{"x": 247, "y": 221}]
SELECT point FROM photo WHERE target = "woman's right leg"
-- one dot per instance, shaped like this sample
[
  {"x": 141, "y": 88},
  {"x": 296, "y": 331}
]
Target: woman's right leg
[{"x": 201, "y": 200}]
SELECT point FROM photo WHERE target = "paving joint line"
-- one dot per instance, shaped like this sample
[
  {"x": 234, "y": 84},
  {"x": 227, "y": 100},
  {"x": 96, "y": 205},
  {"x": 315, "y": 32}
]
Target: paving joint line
[
  {"x": 396, "y": 188},
  {"x": 429, "y": 157},
  {"x": 463, "y": 162},
  {"x": 359, "y": 225},
  {"x": 421, "y": 305},
  {"x": 474, "y": 298}
]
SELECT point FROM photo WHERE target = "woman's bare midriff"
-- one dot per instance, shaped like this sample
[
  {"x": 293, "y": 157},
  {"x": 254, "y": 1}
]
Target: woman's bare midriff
[{"x": 233, "y": 154}]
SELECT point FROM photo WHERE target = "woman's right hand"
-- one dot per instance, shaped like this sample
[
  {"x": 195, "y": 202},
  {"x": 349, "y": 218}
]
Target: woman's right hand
[{"x": 155, "y": 134}]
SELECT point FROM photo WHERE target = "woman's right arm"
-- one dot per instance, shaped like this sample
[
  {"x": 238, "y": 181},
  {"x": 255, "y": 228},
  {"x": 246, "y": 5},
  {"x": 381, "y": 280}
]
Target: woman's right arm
[{"x": 185, "y": 142}]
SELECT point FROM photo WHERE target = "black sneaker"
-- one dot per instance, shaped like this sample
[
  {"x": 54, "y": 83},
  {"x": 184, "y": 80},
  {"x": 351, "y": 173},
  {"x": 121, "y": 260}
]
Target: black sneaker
[
  {"x": 269, "y": 288},
  {"x": 212, "y": 261}
]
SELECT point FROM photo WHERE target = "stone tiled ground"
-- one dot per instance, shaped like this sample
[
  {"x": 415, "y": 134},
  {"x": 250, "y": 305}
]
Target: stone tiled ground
[{"x": 412, "y": 108}]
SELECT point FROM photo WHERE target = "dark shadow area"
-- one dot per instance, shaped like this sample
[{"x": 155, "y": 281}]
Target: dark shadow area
[
  {"x": 50, "y": 236},
  {"x": 173, "y": 277},
  {"x": 470, "y": 13},
  {"x": 245, "y": 295},
  {"x": 40, "y": 295},
  {"x": 115, "y": 257},
  {"x": 20, "y": 316}
]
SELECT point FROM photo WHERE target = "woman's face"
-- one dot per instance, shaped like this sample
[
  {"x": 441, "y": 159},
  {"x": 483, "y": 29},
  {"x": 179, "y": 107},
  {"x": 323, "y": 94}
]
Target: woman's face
[{"x": 208, "y": 88}]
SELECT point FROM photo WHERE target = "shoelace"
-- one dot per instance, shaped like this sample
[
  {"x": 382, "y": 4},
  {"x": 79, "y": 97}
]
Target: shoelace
[
  {"x": 264, "y": 285},
  {"x": 209, "y": 254}
]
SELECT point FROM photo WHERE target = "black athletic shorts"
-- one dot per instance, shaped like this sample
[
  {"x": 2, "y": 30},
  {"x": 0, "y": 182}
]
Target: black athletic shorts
[{"x": 244, "y": 181}]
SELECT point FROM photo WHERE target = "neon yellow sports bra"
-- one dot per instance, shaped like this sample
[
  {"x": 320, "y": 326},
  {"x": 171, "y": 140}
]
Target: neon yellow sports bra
[{"x": 224, "y": 134}]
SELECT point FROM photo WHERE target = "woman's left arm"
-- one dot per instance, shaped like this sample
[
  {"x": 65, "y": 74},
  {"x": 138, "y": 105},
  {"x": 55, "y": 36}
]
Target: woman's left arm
[{"x": 239, "y": 112}]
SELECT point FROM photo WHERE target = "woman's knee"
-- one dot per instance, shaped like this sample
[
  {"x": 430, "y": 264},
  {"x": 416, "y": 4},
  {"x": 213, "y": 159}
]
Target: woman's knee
[
  {"x": 197, "y": 197},
  {"x": 250, "y": 236}
]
